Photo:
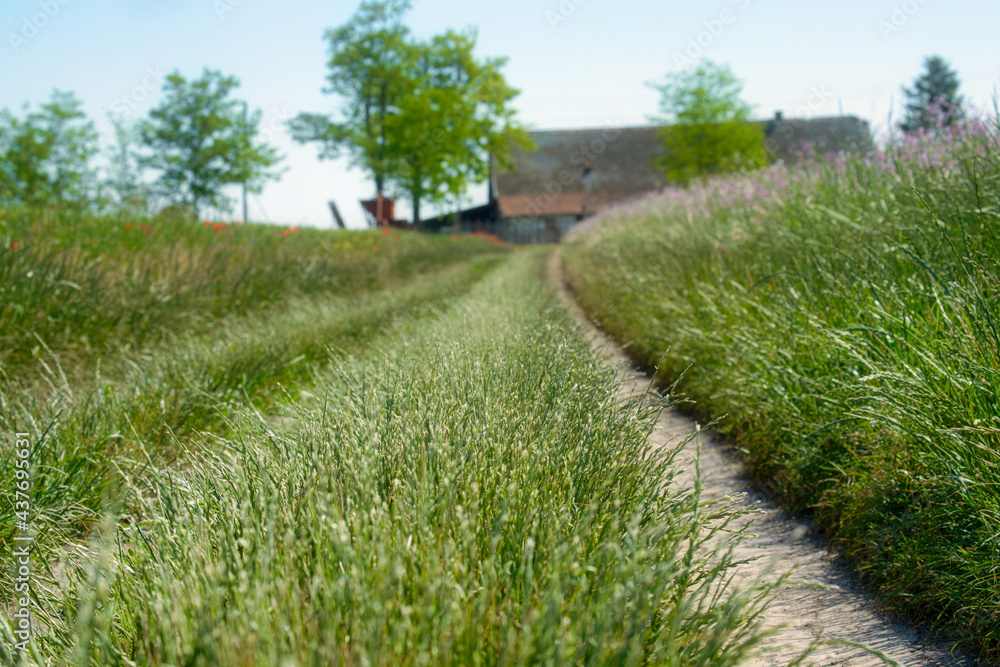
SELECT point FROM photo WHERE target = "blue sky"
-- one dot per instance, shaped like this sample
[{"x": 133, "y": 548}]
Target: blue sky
[{"x": 578, "y": 63}]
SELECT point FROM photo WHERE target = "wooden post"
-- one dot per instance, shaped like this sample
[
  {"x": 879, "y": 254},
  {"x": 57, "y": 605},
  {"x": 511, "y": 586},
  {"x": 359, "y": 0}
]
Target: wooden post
[{"x": 336, "y": 215}]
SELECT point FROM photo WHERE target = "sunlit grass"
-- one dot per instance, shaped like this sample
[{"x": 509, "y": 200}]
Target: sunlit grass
[
  {"x": 845, "y": 317},
  {"x": 83, "y": 286},
  {"x": 143, "y": 407},
  {"x": 384, "y": 452}
]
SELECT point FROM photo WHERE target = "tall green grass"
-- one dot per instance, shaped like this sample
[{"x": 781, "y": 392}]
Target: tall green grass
[
  {"x": 143, "y": 408},
  {"x": 82, "y": 286},
  {"x": 468, "y": 491},
  {"x": 844, "y": 316},
  {"x": 120, "y": 331},
  {"x": 126, "y": 343}
]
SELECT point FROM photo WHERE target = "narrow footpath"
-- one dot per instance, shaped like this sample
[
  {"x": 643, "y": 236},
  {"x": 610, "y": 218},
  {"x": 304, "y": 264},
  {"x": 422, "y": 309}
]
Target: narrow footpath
[{"x": 838, "y": 609}]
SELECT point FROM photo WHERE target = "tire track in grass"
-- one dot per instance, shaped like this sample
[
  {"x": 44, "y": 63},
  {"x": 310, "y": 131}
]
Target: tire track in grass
[
  {"x": 162, "y": 410},
  {"x": 469, "y": 491},
  {"x": 145, "y": 409},
  {"x": 832, "y": 606}
]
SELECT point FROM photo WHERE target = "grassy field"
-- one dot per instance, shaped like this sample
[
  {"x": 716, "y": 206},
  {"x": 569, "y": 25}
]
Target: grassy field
[
  {"x": 340, "y": 448},
  {"x": 844, "y": 317},
  {"x": 89, "y": 285},
  {"x": 122, "y": 343}
]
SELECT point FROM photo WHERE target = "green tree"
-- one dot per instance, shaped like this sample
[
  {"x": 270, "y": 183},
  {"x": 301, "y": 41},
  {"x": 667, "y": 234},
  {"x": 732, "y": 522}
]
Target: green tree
[
  {"x": 456, "y": 118},
  {"x": 423, "y": 117},
  {"x": 933, "y": 101},
  {"x": 125, "y": 168},
  {"x": 45, "y": 156},
  {"x": 201, "y": 140},
  {"x": 708, "y": 129},
  {"x": 372, "y": 59}
]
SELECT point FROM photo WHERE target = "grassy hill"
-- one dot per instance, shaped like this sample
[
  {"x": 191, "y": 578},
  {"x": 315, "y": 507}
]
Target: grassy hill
[{"x": 843, "y": 317}]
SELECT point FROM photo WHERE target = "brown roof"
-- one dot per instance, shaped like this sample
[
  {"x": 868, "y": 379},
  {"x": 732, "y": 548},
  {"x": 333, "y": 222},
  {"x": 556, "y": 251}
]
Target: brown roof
[{"x": 603, "y": 162}]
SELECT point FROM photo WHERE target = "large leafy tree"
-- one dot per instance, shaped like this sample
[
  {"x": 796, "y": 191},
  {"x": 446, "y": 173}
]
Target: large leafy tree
[
  {"x": 45, "y": 156},
  {"x": 371, "y": 65},
  {"x": 708, "y": 129},
  {"x": 201, "y": 140},
  {"x": 456, "y": 117},
  {"x": 421, "y": 117},
  {"x": 933, "y": 101}
]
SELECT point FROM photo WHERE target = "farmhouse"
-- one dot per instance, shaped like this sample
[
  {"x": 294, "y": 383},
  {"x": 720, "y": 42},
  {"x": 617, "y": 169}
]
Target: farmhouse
[{"x": 576, "y": 173}]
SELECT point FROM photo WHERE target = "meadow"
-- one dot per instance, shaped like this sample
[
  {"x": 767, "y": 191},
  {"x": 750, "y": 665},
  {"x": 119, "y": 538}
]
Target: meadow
[
  {"x": 841, "y": 317},
  {"x": 261, "y": 445}
]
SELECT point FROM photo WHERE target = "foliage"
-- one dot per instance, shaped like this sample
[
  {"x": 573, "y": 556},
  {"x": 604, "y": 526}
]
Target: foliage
[
  {"x": 201, "y": 142},
  {"x": 371, "y": 63},
  {"x": 845, "y": 316},
  {"x": 933, "y": 101},
  {"x": 708, "y": 130},
  {"x": 423, "y": 116},
  {"x": 44, "y": 155},
  {"x": 131, "y": 194},
  {"x": 456, "y": 118}
]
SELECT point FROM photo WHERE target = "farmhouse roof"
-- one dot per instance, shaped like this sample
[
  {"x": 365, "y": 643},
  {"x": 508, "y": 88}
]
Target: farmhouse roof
[{"x": 609, "y": 159}]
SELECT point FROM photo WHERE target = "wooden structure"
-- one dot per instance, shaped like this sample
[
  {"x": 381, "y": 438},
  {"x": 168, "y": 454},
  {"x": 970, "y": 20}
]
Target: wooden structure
[{"x": 381, "y": 212}]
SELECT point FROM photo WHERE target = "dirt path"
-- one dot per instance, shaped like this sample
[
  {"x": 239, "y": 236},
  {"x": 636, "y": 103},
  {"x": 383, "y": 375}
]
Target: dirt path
[{"x": 841, "y": 610}]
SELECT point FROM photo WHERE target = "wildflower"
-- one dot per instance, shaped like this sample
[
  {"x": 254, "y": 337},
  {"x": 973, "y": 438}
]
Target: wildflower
[
  {"x": 395, "y": 238},
  {"x": 386, "y": 232},
  {"x": 14, "y": 245},
  {"x": 239, "y": 222},
  {"x": 207, "y": 223},
  {"x": 128, "y": 225},
  {"x": 219, "y": 226},
  {"x": 293, "y": 229},
  {"x": 284, "y": 233}
]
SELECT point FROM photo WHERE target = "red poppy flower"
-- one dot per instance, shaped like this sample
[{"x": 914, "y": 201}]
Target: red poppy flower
[
  {"x": 293, "y": 229},
  {"x": 386, "y": 232},
  {"x": 207, "y": 223},
  {"x": 15, "y": 245},
  {"x": 285, "y": 233}
]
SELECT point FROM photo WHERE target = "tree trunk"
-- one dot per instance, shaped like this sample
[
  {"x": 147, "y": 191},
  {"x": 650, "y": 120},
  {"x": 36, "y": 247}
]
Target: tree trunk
[{"x": 416, "y": 193}]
